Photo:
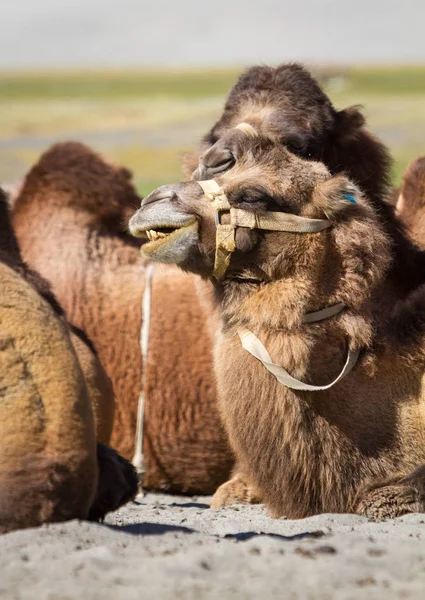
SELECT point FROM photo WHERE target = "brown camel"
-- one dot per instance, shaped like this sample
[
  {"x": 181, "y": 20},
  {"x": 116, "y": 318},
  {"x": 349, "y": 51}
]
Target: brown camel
[
  {"x": 411, "y": 201},
  {"x": 49, "y": 470},
  {"x": 287, "y": 105},
  {"x": 70, "y": 219},
  {"x": 302, "y": 276}
]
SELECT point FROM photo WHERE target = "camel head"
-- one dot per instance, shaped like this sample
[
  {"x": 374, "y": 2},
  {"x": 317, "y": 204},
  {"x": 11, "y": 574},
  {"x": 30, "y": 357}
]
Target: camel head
[
  {"x": 272, "y": 215},
  {"x": 287, "y": 105}
]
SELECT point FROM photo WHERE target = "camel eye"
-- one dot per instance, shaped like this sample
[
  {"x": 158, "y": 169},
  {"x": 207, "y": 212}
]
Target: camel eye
[
  {"x": 253, "y": 196},
  {"x": 298, "y": 147}
]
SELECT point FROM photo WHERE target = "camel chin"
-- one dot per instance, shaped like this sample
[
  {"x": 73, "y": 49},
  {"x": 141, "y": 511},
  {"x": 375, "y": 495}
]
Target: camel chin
[{"x": 171, "y": 248}]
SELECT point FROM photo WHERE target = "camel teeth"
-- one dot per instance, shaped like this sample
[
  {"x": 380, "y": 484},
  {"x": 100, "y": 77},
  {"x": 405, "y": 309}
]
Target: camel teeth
[{"x": 153, "y": 235}]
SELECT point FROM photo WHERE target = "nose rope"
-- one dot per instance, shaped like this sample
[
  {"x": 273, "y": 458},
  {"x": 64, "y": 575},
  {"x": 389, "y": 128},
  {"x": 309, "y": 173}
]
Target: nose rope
[
  {"x": 225, "y": 246},
  {"x": 139, "y": 458}
]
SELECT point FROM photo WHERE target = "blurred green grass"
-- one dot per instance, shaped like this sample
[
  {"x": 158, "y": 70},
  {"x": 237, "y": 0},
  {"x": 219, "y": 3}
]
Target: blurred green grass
[
  {"x": 147, "y": 120},
  {"x": 116, "y": 84}
]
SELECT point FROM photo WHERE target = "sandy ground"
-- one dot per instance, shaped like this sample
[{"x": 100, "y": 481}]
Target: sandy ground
[{"x": 172, "y": 547}]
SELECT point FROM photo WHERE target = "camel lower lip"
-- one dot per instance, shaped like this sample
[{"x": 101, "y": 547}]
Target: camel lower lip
[{"x": 155, "y": 238}]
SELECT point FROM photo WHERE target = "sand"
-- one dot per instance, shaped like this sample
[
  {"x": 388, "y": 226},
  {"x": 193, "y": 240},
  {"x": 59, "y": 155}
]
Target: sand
[{"x": 176, "y": 547}]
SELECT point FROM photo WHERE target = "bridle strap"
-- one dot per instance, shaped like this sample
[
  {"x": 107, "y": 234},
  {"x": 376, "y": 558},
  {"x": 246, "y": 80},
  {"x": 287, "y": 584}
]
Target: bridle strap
[
  {"x": 252, "y": 344},
  {"x": 265, "y": 220},
  {"x": 225, "y": 234},
  {"x": 277, "y": 221}
]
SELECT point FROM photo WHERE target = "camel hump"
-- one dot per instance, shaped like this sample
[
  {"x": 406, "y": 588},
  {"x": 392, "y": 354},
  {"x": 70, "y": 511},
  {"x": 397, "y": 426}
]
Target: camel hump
[
  {"x": 71, "y": 174},
  {"x": 48, "y": 469}
]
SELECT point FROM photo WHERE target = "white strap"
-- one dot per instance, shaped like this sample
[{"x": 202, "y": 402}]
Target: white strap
[
  {"x": 324, "y": 313},
  {"x": 252, "y": 344},
  {"x": 139, "y": 458}
]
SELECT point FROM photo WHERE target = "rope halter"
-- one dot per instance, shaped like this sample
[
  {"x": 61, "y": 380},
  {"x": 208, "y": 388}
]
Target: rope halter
[
  {"x": 269, "y": 221},
  {"x": 225, "y": 246}
]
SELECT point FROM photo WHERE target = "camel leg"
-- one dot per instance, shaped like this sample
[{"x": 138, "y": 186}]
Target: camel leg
[
  {"x": 393, "y": 497},
  {"x": 238, "y": 490}
]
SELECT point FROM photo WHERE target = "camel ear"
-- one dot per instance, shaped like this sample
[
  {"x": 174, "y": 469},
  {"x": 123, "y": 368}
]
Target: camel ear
[
  {"x": 336, "y": 196},
  {"x": 349, "y": 120},
  {"x": 365, "y": 159},
  {"x": 125, "y": 173}
]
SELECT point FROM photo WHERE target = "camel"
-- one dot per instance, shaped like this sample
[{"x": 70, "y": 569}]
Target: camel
[
  {"x": 50, "y": 466},
  {"x": 70, "y": 218},
  {"x": 320, "y": 356},
  {"x": 287, "y": 105},
  {"x": 411, "y": 201}
]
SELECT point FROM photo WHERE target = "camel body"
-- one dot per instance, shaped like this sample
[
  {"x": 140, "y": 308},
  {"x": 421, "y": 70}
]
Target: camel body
[
  {"x": 99, "y": 278},
  {"x": 48, "y": 468},
  {"x": 359, "y": 445},
  {"x": 299, "y": 448}
]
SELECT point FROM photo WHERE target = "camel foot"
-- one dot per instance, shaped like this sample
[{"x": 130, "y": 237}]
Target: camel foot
[
  {"x": 238, "y": 490},
  {"x": 118, "y": 483},
  {"x": 393, "y": 498}
]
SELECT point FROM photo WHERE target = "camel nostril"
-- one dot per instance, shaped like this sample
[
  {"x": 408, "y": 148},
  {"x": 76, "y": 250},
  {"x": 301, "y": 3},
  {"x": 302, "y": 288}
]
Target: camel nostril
[
  {"x": 217, "y": 164},
  {"x": 164, "y": 193},
  {"x": 224, "y": 161}
]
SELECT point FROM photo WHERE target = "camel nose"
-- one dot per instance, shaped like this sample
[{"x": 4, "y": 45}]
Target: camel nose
[
  {"x": 165, "y": 192},
  {"x": 214, "y": 162}
]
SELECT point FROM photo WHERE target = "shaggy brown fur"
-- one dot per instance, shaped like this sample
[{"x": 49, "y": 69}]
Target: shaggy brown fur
[
  {"x": 47, "y": 472},
  {"x": 411, "y": 201},
  {"x": 71, "y": 219},
  {"x": 349, "y": 448},
  {"x": 47, "y": 460},
  {"x": 287, "y": 105},
  {"x": 97, "y": 381}
]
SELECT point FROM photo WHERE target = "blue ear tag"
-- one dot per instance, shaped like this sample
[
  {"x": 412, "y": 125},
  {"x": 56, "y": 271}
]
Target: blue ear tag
[{"x": 350, "y": 198}]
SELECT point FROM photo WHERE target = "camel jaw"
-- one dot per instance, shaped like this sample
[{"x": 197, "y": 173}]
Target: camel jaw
[{"x": 166, "y": 236}]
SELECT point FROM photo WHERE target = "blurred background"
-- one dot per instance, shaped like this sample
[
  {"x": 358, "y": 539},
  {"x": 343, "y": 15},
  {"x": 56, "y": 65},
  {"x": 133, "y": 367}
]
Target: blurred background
[{"x": 142, "y": 81}]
